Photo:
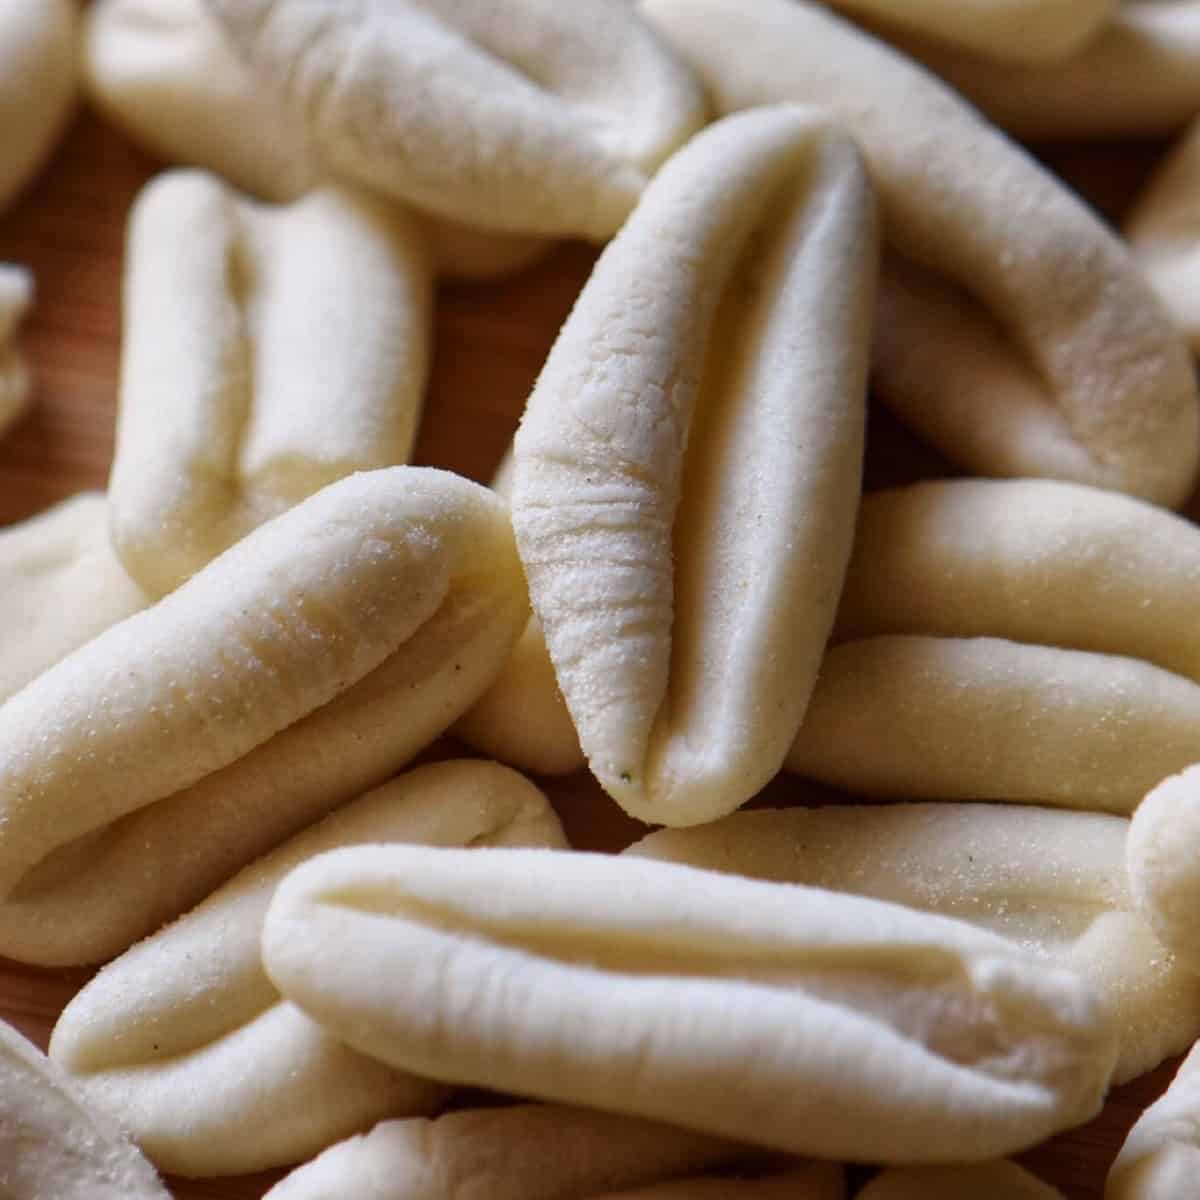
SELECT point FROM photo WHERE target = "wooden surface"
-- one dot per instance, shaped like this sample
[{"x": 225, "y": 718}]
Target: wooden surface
[{"x": 491, "y": 340}]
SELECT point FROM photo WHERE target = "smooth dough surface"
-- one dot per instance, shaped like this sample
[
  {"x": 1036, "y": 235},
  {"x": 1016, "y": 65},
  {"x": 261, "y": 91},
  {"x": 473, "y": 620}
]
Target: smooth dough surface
[
  {"x": 687, "y": 471},
  {"x": 16, "y": 295},
  {"x": 990, "y": 719},
  {"x": 1052, "y": 881},
  {"x": 184, "y": 1041},
  {"x": 660, "y": 991},
  {"x": 300, "y": 668},
  {"x": 267, "y": 352},
  {"x": 1014, "y": 330},
  {"x": 37, "y": 85},
  {"x": 518, "y": 1152},
  {"x": 52, "y": 1144},
  {"x": 524, "y": 116},
  {"x": 1000, "y": 1180}
]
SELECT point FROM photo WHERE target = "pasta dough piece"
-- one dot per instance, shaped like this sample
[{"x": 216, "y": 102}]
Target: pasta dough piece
[
  {"x": 1054, "y": 882},
  {"x": 267, "y": 353},
  {"x": 184, "y": 1041},
  {"x": 988, "y": 719},
  {"x": 520, "y": 1152},
  {"x": 1031, "y": 560},
  {"x": 37, "y": 85},
  {"x": 62, "y": 585},
  {"x": 1018, "y": 31},
  {"x": 163, "y": 71},
  {"x": 525, "y": 116},
  {"x": 305, "y": 665},
  {"x": 688, "y": 468},
  {"x": 1013, "y": 331},
  {"x": 1164, "y": 229},
  {"x": 747, "y": 1010},
  {"x": 1162, "y": 1151},
  {"x": 1000, "y": 1180},
  {"x": 16, "y": 295},
  {"x": 1139, "y": 77},
  {"x": 818, "y": 1181},
  {"x": 52, "y": 1144},
  {"x": 522, "y": 719}
]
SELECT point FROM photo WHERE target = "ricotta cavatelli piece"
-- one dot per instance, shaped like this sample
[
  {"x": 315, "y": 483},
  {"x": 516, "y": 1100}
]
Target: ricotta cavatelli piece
[
  {"x": 184, "y": 1041},
  {"x": 164, "y": 72},
  {"x": 51, "y": 1142},
  {"x": 16, "y": 295},
  {"x": 266, "y": 353},
  {"x": 518, "y": 1152},
  {"x": 1033, "y": 560},
  {"x": 662, "y": 991},
  {"x": 61, "y": 585},
  {"x": 305, "y": 665},
  {"x": 523, "y": 116},
  {"x": 1164, "y": 228},
  {"x": 1014, "y": 331},
  {"x": 1161, "y": 1153},
  {"x": 1054, "y": 882},
  {"x": 1138, "y": 77},
  {"x": 912, "y": 717},
  {"x": 522, "y": 719},
  {"x": 1000, "y": 1180},
  {"x": 688, "y": 468},
  {"x": 37, "y": 85}
]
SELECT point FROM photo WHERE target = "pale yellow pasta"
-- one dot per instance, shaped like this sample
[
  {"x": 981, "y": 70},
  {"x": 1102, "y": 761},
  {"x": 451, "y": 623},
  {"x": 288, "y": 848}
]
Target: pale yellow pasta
[
  {"x": 16, "y": 295},
  {"x": 303, "y": 666},
  {"x": 525, "y": 116},
  {"x": 52, "y": 1144},
  {"x": 267, "y": 352},
  {"x": 184, "y": 1041},
  {"x": 1014, "y": 330},
  {"x": 989, "y": 719},
  {"x": 1052, "y": 881},
  {"x": 793, "y": 1018},
  {"x": 688, "y": 467}
]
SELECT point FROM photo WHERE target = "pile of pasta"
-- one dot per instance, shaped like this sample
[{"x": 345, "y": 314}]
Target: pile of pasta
[{"x": 217, "y": 677}]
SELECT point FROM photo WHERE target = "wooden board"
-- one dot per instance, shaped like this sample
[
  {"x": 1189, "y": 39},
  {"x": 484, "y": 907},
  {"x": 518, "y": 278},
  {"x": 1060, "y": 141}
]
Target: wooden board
[{"x": 491, "y": 341}]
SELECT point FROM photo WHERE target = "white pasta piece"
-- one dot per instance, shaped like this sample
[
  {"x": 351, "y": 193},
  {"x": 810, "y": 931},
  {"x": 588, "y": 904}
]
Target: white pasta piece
[
  {"x": 1052, "y": 881},
  {"x": 184, "y": 1041},
  {"x": 267, "y": 352},
  {"x": 519, "y": 1152},
  {"x": 1000, "y": 1180},
  {"x": 163, "y": 71},
  {"x": 37, "y": 85},
  {"x": 1014, "y": 330},
  {"x": 788, "y": 1017},
  {"x": 52, "y": 1145},
  {"x": 688, "y": 468},
  {"x": 16, "y": 295},
  {"x": 989, "y": 719},
  {"x": 1041, "y": 561},
  {"x": 1138, "y": 77},
  {"x": 303, "y": 666},
  {"x": 62, "y": 585},
  {"x": 525, "y": 116},
  {"x": 1161, "y": 1154}
]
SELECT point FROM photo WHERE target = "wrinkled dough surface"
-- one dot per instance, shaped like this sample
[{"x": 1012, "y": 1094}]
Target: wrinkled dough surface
[
  {"x": 16, "y": 295},
  {"x": 989, "y": 719},
  {"x": 687, "y": 471},
  {"x": 267, "y": 353},
  {"x": 184, "y": 1041},
  {"x": 654, "y": 990},
  {"x": 303, "y": 666},
  {"x": 1019, "y": 291},
  {"x": 52, "y": 1144},
  {"x": 520, "y": 1152},
  {"x": 37, "y": 85},
  {"x": 1000, "y": 1180},
  {"x": 526, "y": 116},
  {"x": 1052, "y": 881}
]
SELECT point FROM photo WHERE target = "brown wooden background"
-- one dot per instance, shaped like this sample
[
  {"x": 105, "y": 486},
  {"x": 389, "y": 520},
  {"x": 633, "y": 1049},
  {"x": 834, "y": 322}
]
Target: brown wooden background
[{"x": 491, "y": 340}]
